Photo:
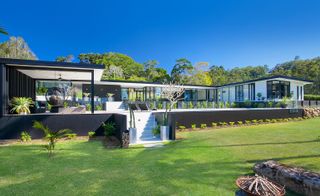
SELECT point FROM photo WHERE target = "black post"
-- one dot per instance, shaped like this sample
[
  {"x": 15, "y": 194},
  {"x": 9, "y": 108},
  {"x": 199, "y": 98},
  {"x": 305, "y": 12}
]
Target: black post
[
  {"x": 2, "y": 83},
  {"x": 92, "y": 92}
]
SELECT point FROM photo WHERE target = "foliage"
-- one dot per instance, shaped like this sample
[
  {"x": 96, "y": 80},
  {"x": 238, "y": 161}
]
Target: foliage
[
  {"x": 41, "y": 90},
  {"x": 99, "y": 107},
  {"x": 21, "y": 105},
  {"x": 181, "y": 71},
  {"x": 223, "y": 123},
  {"x": 156, "y": 131},
  {"x": 109, "y": 128},
  {"x": 247, "y": 103},
  {"x": 202, "y": 126},
  {"x": 193, "y": 126},
  {"x": 214, "y": 124},
  {"x": 3, "y": 31},
  {"x": 51, "y": 136},
  {"x": 154, "y": 74},
  {"x": 65, "y": 104},
  {"x": 91, "y": 134},
  {"x": 270, "y": 104},
  {"x": 261, "y": 105},
  {"x": 159, "y": 106},
  {"x": 71, "y": 136},
  {"x": 130, "y": 68},
  {"x": 240, "y": 123},
  {"x": 68, "y": 58},
  {"x": 312, "y": 97},
  {"x": 247, "y": 122},
  {"x": 16, "y": 48},
  {"x": 25, "y": 136},
  {"x": 88, "y": 107},
  {"x": 182, "y": 127},
  {"x": 231, "y": 123},
  {"x": 254, "y": 121}
]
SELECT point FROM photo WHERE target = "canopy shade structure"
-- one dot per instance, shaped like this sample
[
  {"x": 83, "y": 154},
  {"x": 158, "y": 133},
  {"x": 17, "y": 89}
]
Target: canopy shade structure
[{"x": 20, "y": 76}]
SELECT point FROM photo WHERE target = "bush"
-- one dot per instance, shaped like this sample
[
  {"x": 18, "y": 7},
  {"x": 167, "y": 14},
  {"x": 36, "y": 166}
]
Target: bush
[
  {"x": 71, "y": 136},
  {"x": 239, "y": 122},
  {"x": 278, "y": 105},
  {"x": 234, "y": 105},
  {"x": 191, "y": 105},
  {"x": 267, "y": 120},
  {"x": 182, "y": 127},
  {"x": 270, "y": 104},
  {"x": 159, "y": 106},
  {"x": 193, "y": 126},
  {"x": 261, "y": 105},
  {"x": 156, "y": 130},
  {"x": 274, "y": 121},
  {"x": 99, "y": 107},
  {"x": 254, "y": 121},
  {"x": 203, "y": 126},
  {"x": 91, "y": 134},
  {"x": 25, "y": 136},
  {"x": 65, "y": 104},
  {"x": 231, "y": 123},
  {"x": 260, "y": 121},
  {"x": 214, "y": 124},
  {"x": 109, "y": 128},
  {"x": 247, "y": 122},
  {"x": 88, "y": 107},
  {"x": 222, "y": 123},
  {"x": 247, "y": 103},
  {"x": 285, "y": 120}
]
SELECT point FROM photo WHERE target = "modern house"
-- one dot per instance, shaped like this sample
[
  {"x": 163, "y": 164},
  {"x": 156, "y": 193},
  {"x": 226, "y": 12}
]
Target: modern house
[{"x": 60, "y": 88}]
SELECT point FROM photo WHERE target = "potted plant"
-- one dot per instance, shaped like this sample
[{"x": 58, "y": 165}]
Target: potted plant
[
  {"x": 132, "y": 128},
  {"x": 110, "y": 96},
  {"x": 21, "y": 105}
]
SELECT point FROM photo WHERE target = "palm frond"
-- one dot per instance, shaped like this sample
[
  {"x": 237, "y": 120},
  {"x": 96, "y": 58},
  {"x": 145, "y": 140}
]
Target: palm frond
[
  {"x": 41, "y": 126},
  {"x": 62, "y": 133},
  {"x": 3, "y": 31}
]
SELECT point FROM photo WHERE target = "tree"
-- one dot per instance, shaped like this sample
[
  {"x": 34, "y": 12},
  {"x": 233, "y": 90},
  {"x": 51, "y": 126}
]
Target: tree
[
  {"x": 68, "y": 58},
  {"x": 16, "y": 48},
  {"x": 113, "y": 73},
  {"x": 130, "y": 67},
  {"x": 173, "y": 93},
  {"x": 3, "y": 31},
  {"x": 154, "y": 74},
  {"x": 218, "y": 75},
  {"x": 200, "y": 75},
  {"x": 181, "y": 70}
]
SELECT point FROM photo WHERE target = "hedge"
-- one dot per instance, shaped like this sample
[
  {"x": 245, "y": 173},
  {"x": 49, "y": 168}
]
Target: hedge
[{"x": 312, "y": 97}]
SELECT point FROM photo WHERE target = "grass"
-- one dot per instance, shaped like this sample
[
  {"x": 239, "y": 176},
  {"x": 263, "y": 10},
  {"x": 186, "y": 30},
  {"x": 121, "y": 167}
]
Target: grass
[{"x": 202, "y": 163}]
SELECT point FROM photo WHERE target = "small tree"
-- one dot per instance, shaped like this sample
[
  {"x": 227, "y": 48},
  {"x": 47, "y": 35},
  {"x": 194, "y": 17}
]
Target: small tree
[
  {"x": 173, "y": 93},
  {"x": 51, "y": 136}
]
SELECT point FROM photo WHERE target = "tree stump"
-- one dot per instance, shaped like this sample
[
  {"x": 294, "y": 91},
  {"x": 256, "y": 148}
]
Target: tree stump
[{"x": 295, "y": 179}]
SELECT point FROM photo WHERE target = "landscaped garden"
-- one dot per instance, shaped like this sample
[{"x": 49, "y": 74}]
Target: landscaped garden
[{"x": 205, "y": 162}]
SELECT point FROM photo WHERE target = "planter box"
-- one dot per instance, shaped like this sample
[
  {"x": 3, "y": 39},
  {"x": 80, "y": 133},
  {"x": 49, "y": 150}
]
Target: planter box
[{"x": 164, "y": 132}]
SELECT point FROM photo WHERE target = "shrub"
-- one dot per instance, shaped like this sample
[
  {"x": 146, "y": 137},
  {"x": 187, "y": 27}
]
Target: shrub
[
  {"x": 312, "y": 97},
  {"x": 151, "y": 105},
  {"x": 91, "y": 134},
  {"x": 222, "y": 123},
  {"x": 65, "y": 104},
  {"x": 247, "y": 103},
  {"x": 210, "y": 105},
  {"x": 51, "y": 136},
  {"x": 285, "y": 120},
  {"x": 274, "y": 121},
  {"x": 198, "y": 105},
  {"x": 270, "y": 104},
  {"x": 109, "y": 128},
  {"x": 25, "y": 136},
  {"x": 289, "y": 119},
  {"x": 159, "y": 106},
  {"x": 267, "y": 120},
  {"x": 184, "y": 105},
  {"x": 193, "y": 126},
  {"x": 227, "y": 104},
  {"x": 261, "y": 105},
  {"x": 21, "y": 105},
  {"x": 71, "y": 136},
  {"x": 88, "y": 107},
  {"x": 234, "y": 105},
  {"x": 299, "y": 118},
  {"x": 182, "y": 127},
  {"x": 240, "y": 122},
  {"x": 221, "y": 105},
  {"x": 156, "y": 130},
  {"x": 99, "y": 107},
  {"x": 254, "y": 121},
  {"x": 214, "y": 124},
  {"x": 278, "y": 105},
  {"x": 260, "y": 121},
  {"x": 202, "y": 126},
  {"x": 247, "y": 122},
  {"x": 216, "y": 105},
  {"x": 191, "y": 105},
  {"x": 231, "y": 123}
]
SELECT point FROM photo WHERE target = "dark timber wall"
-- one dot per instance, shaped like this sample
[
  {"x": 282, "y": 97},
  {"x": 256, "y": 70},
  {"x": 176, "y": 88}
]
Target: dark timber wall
[
  {"x": 20, "y": 84},
  {"x": 200, "y": 117},
  {"x": 12, "y": 125}
]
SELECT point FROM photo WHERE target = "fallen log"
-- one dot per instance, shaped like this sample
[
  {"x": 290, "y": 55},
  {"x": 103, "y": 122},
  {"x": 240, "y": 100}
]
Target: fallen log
[{"x": 295, "y": 179}]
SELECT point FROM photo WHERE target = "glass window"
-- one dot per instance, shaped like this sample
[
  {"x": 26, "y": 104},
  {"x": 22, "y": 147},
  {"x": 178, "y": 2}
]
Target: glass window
[
  {"x": 278, "y": 89},
  {"x": 239, "y": 96},
  {"x": 124, "y": 94},
  {"x": 202, "y": 95}
]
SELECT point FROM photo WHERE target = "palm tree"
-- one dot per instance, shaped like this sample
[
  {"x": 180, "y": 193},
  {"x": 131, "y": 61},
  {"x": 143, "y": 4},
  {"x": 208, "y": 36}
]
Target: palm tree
[
  {"x": 3, "y": 31},
  {"x": 51, "y": 136}
]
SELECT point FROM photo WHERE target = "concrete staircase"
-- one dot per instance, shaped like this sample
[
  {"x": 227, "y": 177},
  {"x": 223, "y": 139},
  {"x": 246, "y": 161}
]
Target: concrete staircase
[{"x": 145, "y": 122}]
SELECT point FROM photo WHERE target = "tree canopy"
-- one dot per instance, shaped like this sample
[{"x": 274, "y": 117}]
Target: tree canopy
[{"x": 16, "y": 48}]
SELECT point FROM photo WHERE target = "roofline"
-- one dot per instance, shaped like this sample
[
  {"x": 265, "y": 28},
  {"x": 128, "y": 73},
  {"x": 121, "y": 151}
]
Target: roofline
[
  {"x": 38, "y": 63},
  {"x": 268, "y": 78},
  {"x": 143, "y": 82}
]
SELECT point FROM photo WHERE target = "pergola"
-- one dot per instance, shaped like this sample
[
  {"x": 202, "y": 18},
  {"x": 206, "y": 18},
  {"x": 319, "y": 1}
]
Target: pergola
[{"x": 17, "y": 77}]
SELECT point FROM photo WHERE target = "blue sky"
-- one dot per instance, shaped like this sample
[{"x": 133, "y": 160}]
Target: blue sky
[{"x": 229, "y": 33}]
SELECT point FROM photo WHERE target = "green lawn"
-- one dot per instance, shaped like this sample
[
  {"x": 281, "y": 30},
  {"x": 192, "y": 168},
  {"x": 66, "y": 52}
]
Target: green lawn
[{"x": 203, "y": 163}]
